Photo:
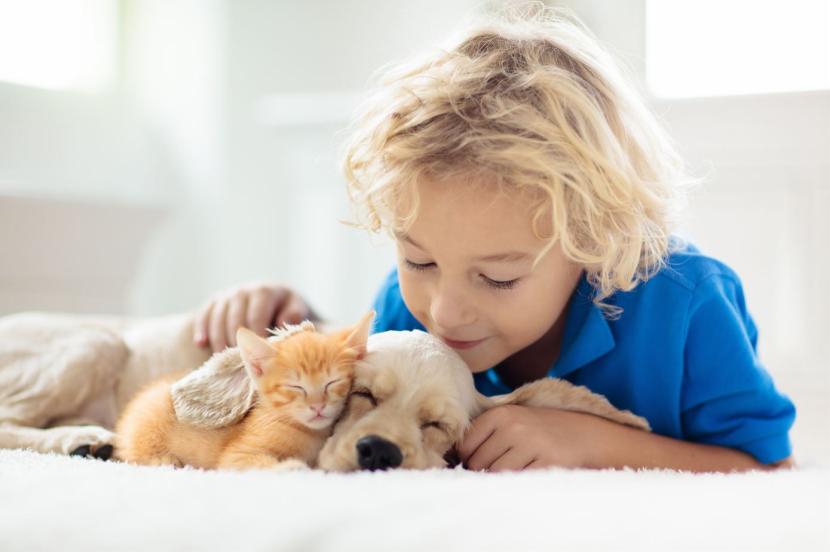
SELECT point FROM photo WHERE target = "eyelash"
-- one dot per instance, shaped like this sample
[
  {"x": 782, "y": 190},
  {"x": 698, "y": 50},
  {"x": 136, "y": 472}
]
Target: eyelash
[
  {"x": 366, "y": 395},
  {"x": 496, "y": 284}
]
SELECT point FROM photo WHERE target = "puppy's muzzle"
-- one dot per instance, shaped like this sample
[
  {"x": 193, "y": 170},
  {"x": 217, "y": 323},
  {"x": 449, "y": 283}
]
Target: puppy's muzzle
[{"x": 376, "y": 453}]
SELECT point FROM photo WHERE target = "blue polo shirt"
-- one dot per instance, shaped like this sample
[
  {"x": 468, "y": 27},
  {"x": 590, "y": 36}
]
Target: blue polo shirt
[{"x": 682, "y": 355}]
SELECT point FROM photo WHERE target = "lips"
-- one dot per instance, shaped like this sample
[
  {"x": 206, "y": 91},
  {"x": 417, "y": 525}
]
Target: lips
[{"x": 456, "y": 344}]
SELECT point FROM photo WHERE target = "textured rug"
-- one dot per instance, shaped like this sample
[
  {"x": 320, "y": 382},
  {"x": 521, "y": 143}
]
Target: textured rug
[{"x": 50, "y": 502}]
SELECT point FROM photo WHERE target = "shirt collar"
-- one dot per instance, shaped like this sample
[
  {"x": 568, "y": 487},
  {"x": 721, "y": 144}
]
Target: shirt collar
[{"x": 587, "y": 334}]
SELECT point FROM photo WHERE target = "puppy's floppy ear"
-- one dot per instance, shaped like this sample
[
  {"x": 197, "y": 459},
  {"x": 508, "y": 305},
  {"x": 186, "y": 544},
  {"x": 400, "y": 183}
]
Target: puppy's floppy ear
[
  {"x": 217, "y": 394},
  {"x": 355, "y": 338},
  {"x": 255, "y": 351},
  {"x": 482, "y": 403}
]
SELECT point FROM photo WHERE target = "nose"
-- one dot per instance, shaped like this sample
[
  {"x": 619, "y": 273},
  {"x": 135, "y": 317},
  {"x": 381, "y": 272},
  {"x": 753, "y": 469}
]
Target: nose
[
  {"x": 450, "y": 309},
  {"x": 376, "y": 453},
  {"x": 318, "y": 408}
]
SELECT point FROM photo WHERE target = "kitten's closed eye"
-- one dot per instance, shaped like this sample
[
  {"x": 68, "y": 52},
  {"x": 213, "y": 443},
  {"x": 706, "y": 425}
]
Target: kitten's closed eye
[
  {"x": 332, "y": 382},
  {"x": 338, "y": 387},
  {"x": 299, "y": 388}
]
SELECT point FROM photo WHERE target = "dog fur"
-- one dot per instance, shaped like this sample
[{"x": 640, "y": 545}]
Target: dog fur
[{"x": 64, "y": 379}]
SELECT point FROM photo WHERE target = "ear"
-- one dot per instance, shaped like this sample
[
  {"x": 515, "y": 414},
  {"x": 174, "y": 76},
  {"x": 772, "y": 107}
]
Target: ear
[
  {"x": 217, "y": 394},
  {"x": 254, "y": 351},
  {"x": 482, "y": 404},
  {"x": 358, "y": 336}
]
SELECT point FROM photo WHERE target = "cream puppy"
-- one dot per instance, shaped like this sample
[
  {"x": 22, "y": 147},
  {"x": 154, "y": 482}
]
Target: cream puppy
[{"x": 413, "y": 397}]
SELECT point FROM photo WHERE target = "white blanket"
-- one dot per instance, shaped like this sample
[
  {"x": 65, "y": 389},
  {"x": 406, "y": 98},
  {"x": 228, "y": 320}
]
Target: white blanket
[{"x": 50, "y": 502}]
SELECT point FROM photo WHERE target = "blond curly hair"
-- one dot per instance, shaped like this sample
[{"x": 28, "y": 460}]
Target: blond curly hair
[{"x": 539, "y": 107}]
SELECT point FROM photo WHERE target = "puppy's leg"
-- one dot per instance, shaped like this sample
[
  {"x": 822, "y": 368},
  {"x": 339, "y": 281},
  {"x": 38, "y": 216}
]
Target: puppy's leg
[
  {"x": 557, "y": 393},
  {"x": 62, "y": 439}
]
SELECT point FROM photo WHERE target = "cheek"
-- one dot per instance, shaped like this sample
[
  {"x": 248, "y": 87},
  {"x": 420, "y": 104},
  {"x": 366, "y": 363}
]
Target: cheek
[
  {"x": 529, "y": 312},
  {"x": 525, "y": 321},
  {"x": 280, "y": 398},
  {"x": 413, "y": 291},
  {"x": 436, "y": 440}
]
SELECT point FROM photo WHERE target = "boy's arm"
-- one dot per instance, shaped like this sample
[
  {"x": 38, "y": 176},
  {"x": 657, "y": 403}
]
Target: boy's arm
[
  {"x": 513, "y": 437},
  {"x": 628, "y": 447}
]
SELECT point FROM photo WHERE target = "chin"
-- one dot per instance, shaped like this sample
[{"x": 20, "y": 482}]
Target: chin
[
  {"x": 318, "y": 424},
  {"x": 477, "y": 363}
]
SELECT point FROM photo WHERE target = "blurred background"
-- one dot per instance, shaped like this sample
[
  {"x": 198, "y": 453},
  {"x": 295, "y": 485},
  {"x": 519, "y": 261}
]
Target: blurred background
[{"x": 153, "y": 152}]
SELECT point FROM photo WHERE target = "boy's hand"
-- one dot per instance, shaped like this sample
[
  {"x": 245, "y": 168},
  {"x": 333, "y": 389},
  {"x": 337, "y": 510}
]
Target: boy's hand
[
  {"x": 513, "y": 437},
  {"x": 256, "y": 306}
]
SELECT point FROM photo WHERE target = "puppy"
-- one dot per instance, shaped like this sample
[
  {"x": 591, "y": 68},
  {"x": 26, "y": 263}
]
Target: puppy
[
  {"x": 64, "y": 379},
  {"x": 413, "y": 397}
]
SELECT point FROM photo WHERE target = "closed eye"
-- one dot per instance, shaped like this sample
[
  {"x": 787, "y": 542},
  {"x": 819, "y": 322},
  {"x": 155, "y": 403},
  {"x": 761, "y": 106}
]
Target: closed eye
[
  {"x": 297, "y": 388},
  {"x": 436, "y": 425},
  {"x": 332, "y": 382},
  {"x": 365, "y": 394},
  {"x": 418, "y": 266},
  {"x": 500, "y": 284}
]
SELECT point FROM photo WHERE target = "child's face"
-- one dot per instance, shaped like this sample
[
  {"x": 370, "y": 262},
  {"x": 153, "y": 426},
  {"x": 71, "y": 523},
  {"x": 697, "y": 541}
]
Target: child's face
[{"x": 466, "y": 272}]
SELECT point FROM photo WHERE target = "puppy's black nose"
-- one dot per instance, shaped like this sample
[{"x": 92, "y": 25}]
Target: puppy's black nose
[{"x": 376, "y": 453}]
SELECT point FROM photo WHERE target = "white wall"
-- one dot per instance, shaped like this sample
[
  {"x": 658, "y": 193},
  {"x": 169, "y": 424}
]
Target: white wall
[{"x": 264, "y": 195}]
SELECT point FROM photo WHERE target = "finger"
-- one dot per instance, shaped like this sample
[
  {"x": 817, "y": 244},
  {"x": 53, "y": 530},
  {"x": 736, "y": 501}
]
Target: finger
[
  {"x": 488, "y": 452},
  {"x": 237, "y": 310},
  {"x": 216, "y": 326},
  {"x": 200, "y": 325},
  {"x": 512, "y": 460},
  {"x": 479, "y": 431},
  {"x": 294, "y": 311},
  {"x": 262, "y": 309}
]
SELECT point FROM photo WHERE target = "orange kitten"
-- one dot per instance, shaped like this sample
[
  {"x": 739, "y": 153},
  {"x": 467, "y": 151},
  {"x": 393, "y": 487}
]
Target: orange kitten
[{"x": 302, "y": 382}]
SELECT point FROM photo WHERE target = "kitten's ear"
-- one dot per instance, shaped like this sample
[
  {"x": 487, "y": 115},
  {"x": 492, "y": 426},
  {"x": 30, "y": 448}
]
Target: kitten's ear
[
  {"x": 254, "y": 351},
  {"x": 357, "y": 336}
]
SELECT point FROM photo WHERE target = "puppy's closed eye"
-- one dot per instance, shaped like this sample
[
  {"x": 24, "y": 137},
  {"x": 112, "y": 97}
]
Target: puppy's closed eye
[
  {"x": 364, "y": 394},
  {"x": 436, "y": 425}
]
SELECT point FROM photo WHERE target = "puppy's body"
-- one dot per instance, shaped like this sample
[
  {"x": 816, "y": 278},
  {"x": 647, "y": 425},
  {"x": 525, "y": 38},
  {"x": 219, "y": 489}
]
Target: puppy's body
[{"x": 65, "y": 379}]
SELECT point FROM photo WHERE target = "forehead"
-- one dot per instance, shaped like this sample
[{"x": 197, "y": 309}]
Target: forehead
[{"x": 481, "y": 217}]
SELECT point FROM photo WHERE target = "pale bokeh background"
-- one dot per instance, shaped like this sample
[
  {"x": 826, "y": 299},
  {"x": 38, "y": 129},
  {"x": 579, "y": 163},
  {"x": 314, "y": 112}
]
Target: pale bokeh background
[{"x": 168, "y": 149}]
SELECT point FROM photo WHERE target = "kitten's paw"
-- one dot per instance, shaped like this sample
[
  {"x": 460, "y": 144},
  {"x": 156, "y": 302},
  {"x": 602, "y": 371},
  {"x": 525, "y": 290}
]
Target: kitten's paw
[
  {"x": 291, "y": 464},
  {"x": 166, "y": 460}
]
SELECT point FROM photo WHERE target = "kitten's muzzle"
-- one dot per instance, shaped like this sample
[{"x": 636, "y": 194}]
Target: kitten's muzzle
[{"x": 376, "y": 453}]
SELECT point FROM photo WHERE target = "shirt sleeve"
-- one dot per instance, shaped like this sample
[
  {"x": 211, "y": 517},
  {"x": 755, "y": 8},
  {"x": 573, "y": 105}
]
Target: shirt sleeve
[
  {"x": 391, "y": 311},
  {"x": 728, "y": 398}
]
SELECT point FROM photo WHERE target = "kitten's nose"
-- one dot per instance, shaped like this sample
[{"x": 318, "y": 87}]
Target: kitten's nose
[
  {"x": 376, "y": 453},
  {"x": 318, "y": 408}
]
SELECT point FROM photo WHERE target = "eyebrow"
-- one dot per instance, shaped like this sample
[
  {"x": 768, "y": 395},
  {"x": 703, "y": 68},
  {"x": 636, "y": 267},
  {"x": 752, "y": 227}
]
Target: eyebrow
[{"x": 509, "y": 256}]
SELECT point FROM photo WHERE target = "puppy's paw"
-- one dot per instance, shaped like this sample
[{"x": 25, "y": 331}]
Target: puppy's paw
[
  {"x": 92, "y": 441},
  {"x": 102, "y": 452}
]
